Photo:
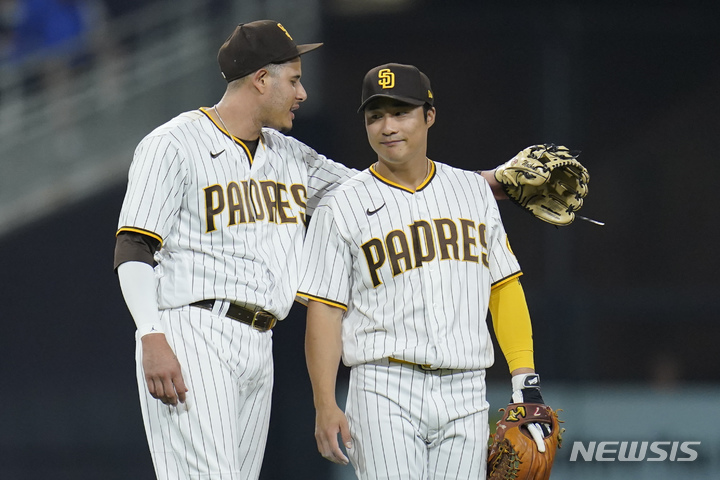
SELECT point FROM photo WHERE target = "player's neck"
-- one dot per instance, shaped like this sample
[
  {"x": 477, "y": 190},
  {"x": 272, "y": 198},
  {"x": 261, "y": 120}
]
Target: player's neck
[
  {"x": 410, "y": 174},
  {"x": 235, "y": 121}
]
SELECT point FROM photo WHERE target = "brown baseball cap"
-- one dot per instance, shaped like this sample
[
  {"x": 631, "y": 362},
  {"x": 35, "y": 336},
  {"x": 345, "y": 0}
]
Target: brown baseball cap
[
  {"x": 394, "y": 80},
  {"x": 253, "y": 45}
]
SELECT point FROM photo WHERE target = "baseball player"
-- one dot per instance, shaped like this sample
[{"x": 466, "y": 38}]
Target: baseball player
[
  {"x": 401, "y": 264},
  {"x": 216, "y": 203},
  {"x": 208, "y": 254}
]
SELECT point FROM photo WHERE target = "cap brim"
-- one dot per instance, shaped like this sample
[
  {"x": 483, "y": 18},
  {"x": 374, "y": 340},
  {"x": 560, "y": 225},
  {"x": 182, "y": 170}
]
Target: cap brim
[
  {"x": 411, "y": 101},
  {"x": 308, "y": 47},
  {"x": 301, "y": 49}
]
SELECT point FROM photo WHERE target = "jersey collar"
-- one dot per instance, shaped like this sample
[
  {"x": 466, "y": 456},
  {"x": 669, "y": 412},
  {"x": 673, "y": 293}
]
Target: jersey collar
[
  {"x": 231, "y": 136},
  {"x": 424, "y": 183}
]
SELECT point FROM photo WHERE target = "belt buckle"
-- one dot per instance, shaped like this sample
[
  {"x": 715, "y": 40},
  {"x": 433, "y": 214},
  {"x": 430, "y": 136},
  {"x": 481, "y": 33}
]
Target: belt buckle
[{"x": 259, "y": 314}]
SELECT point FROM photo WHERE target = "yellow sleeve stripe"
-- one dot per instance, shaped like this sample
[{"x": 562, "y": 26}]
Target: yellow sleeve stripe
[
  {"x": 322, "y": 300},
  {"x": 511, "y": 322},
  {"x": 142, "y": 231},
  {"x": 505, "y": 280}
]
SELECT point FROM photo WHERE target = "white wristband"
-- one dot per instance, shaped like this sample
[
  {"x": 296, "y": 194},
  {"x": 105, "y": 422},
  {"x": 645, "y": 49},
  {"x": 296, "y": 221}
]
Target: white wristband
[{"x": 525, "y": 380}]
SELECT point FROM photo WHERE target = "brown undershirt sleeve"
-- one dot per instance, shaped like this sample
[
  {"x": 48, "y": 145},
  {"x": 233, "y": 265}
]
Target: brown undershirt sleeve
[{"x": 135, "y": 247}]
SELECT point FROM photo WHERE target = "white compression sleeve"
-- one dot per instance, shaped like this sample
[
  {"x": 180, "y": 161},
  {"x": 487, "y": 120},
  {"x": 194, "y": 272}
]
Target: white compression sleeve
[{"x": 137, "y": 282}]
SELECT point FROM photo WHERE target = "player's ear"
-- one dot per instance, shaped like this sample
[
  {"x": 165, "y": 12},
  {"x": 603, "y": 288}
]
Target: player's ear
[
  {"x": 260, "y": 79},
  {"x": 430, "y": 117}
]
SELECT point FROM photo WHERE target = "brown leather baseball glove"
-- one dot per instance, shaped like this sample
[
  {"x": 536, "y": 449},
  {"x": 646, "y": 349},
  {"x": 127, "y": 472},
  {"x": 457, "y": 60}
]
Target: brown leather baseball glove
[{"x": 514, "y": 454}]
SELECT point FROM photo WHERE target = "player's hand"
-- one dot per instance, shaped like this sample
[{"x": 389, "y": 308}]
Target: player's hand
[
  {"x": 329, "y": 422},
  {"x": 526, "y": 389},
  {"x": 162, "y": 370}
]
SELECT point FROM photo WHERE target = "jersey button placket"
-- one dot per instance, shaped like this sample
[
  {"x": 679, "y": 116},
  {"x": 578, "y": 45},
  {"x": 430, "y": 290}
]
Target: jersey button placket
[{"x": 420, "y": 212}]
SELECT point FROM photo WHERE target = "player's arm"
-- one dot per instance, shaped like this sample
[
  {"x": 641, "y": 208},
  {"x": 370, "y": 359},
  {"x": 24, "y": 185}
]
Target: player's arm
[
  {"x": 511, "y": 322},
  {"x": 323, "y": 350},
  {"x": 513, "y": 329},
  {"x": 496, "y": 187},
  {"x": 133, "y": 263},
  {"x": 324, "y": 174}
]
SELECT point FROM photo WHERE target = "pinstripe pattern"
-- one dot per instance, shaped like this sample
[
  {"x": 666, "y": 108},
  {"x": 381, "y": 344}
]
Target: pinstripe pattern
[
  {"x": 410, "y": 424},
  {"x": 254, "y": 261},
  {"x": 231, "y": 228},
  {"x": 229, "y": 371},
  {"x": 429, "y": 314}
]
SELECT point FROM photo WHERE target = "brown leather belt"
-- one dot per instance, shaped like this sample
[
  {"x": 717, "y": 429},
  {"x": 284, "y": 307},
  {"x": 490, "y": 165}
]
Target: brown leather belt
[
  {"x": 259, "y": 320},
  {"x": 425, "y": 367}
]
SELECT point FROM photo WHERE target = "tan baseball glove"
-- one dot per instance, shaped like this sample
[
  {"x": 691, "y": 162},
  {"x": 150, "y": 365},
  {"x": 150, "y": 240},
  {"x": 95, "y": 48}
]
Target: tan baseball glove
[
  {"x": 514, "y": 454},
  {"x": 546, "y": 180}
]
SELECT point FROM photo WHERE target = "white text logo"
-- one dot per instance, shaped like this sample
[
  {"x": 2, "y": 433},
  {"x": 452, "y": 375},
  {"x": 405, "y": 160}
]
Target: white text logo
[{"x": 634, "y": 451}]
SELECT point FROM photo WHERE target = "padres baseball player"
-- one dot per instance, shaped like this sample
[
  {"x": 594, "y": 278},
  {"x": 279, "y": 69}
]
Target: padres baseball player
[
  {"x": 401, "y": 264},
  {"x": 217, "y": 204}
]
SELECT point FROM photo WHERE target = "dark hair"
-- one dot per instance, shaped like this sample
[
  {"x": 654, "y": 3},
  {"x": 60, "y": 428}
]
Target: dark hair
[{"x": 426, "y": 109}]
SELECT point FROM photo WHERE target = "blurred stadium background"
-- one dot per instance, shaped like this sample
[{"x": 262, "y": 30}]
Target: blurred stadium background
[{"x": 625, "y": 316}]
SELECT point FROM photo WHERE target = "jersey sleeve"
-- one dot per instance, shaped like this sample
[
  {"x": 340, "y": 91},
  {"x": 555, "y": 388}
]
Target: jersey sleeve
[
  {"x": 503, "y": 264},
  {"x": 323, "y": 175},
  {"x": 327, "y": 262},
  {"x": 156, "y": 184}
]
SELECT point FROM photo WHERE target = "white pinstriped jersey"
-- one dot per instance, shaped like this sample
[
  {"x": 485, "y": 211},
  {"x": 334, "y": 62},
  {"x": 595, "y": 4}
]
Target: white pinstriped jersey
[
  {"x": 414, "y": 270},
  {"x": 230, "y": 229}
]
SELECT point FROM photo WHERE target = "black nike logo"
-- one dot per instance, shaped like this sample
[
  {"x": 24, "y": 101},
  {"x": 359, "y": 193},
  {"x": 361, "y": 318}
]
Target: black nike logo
[
  {"x": 215, "y": 155},
  {"x": 373, "y": 212}
]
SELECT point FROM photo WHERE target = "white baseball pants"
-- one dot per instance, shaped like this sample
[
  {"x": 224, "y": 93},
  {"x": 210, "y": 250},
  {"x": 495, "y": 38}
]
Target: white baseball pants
[
  {"x": 411, "y": 424},
  {"x": 228, "y": 369}
]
